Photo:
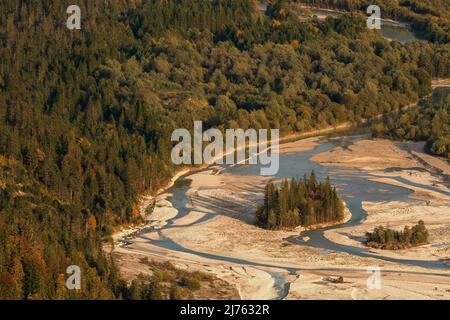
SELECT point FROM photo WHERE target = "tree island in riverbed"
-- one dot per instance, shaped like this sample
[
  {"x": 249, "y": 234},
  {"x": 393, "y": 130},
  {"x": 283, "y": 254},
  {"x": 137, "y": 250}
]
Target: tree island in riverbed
[
  {"x": 299, "y": 202},
  {"x": 385, "y": 238}
]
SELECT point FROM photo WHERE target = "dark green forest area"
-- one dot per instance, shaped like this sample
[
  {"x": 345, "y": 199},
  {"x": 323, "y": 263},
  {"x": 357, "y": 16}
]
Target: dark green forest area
[
  {"x": 430, "y": 122},
  {"x": 302, "y": 202},
  {"x": 86, "y": 115}
]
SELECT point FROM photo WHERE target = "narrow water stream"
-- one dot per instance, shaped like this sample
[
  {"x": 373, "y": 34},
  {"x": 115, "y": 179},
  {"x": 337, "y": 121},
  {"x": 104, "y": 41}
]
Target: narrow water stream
[{"x": 353, "y": 186}]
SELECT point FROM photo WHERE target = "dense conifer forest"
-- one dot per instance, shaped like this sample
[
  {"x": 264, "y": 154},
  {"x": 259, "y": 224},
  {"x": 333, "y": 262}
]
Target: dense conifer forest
[
  {"x": 86, "y": 115},
  {"x": 303, "y": 202},
  {"x": 385, "y": 238}
]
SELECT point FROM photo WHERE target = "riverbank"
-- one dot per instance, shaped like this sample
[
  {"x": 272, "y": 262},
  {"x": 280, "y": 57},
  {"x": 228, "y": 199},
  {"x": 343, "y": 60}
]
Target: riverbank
[
  {"x": 127, "y": 231},
  {"x": 288, "y": 144},
  {"x": 388, "y": 163},
  {"x": 327, "y": 11},
  {"x": 219, "y": 200},
  {"x": 208, "y": 226}
]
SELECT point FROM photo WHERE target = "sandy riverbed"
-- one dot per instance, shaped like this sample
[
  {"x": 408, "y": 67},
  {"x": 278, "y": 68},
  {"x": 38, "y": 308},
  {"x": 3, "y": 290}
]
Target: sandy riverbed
[
  {"x": 431, "y": 206},
  {"x": 217, "y": 235}
]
